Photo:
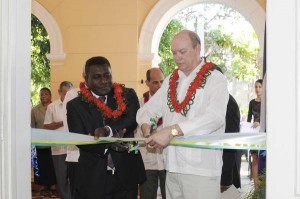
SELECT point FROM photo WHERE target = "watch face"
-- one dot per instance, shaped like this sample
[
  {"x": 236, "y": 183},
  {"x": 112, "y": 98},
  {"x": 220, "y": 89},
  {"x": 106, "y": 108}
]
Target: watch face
[{"x": 174, "y": 132}]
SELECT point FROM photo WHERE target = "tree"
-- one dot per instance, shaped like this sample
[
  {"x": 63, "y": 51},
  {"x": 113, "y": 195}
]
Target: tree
[
  {"x": 40, "y": 67},
  {"x": 235, "y": 54},
  {"x": 229, "y": 41},
  {"x": 164, "y": 51}
]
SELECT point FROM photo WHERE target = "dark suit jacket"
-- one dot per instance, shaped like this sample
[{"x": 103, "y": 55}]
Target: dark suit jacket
[
  {"x": 231, "y": 158},
  {"x": 92, "y": 164}
]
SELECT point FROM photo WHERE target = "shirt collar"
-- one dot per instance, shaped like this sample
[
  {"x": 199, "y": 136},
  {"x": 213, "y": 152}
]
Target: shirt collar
[
  {"x": 97, "y": 96},
  {"x": 193, "y": 73}
]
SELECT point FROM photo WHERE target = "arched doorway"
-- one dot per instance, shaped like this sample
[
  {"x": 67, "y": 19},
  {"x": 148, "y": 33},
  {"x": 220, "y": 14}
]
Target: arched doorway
[
  {"x": 163, "y": 11},
  {"x": 56, "y": 55},
  {"x": 283, "y": 122}
]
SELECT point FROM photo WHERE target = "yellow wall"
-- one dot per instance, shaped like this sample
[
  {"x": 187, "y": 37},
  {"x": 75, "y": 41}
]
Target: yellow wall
[
  {"x": 108, "y": 28},
  {"x": 99, "y": 27}
]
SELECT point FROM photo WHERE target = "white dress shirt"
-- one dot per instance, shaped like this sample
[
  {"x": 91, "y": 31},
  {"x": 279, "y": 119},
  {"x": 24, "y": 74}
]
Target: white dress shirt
[
  {"x": 206, "y": 115},
  {"x": 54, "y": 113},
  {"x": 152, "y": 158},
  {"x": 72, "y": 151}
]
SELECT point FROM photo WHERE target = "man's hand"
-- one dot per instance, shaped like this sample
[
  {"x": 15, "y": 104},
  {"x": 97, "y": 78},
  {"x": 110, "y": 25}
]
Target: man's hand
[
  {"x": 53, "y": 125},
  {"x": 224, "y": 188},
  {"x": 146, "y": 129},
  {"x": 255, "y": 124},
  {"x": 160, "y": 139},
  {"x": 116, "y": 146},
  {"x": 119, "y": 134},
  {"x": 163, "y": 137},
  {"x": 101, "y": 132}
]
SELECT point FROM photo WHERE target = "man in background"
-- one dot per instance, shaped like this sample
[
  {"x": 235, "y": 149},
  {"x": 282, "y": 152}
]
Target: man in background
[
  {"x": 54, "y": 121},
  {"x": 231, "y": 157},
  {"x": 153, "y": 158},
  {"x": 72, "y": 150}
]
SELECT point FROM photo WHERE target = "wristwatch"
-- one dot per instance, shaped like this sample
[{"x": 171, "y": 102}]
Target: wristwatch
[{"x": 174, "y": 132}]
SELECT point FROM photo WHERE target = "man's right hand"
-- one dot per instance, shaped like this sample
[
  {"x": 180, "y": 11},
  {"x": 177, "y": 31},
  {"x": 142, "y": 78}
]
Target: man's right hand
[{"x": 101, "y": 132}]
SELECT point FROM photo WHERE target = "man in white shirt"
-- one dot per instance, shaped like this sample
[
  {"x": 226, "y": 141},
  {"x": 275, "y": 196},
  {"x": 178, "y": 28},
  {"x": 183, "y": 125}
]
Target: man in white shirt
[
  {"x": 54, "y": 121},
  {"x": 72, "y": 151},
  {"x": 192, "y": 101},
  {"x": 152, "y": 158}
]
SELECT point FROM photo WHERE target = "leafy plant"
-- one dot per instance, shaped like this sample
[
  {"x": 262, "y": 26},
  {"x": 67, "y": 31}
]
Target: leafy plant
[
  {"x": 40, "y": 66},
  {"x": 260, "y": 191},
  {"x": 235, "y": 55},
  {"x": 164, "y": 51}
]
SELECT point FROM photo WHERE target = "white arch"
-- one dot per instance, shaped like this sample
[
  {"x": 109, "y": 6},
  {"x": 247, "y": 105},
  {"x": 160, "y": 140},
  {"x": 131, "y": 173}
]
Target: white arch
[
  {"x": 164, "y": 10},
  {"x": 56, "y": 55}
]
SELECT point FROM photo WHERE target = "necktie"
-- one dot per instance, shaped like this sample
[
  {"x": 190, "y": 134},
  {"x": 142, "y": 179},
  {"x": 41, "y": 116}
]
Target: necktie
[
  {"x": 102, "y": 98},
  {"x": 110, "y": 162}
]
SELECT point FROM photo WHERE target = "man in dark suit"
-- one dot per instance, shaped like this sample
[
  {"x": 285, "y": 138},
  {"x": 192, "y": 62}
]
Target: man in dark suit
[
  {"x": 231, "y": 158},
  {"x": 104, "y": 108}
]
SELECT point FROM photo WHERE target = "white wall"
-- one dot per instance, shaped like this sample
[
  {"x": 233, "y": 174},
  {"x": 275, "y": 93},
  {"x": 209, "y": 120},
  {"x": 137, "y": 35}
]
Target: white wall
[
  {"x": 283, "y": 179},
  {"x": 282, "y": 120},
  {"x": 15, "y": 99}
]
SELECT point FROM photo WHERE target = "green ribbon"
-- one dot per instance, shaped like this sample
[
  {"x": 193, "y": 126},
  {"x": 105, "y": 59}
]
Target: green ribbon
[{"x": 254, "y": 141}]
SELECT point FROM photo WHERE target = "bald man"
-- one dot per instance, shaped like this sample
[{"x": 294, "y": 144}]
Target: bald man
[
  {"x": 192, "y": 101},
  {"x": 152, "y": 158}
]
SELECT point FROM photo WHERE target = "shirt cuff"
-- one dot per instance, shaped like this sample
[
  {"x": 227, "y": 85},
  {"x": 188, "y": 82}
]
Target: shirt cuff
[{"x": 110, "y": 131}]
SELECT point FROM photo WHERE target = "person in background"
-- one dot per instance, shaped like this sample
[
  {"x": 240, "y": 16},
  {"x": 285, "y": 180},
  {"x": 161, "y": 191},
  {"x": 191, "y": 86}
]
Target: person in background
[
  {"x": 72, "y": 151},
  {"x": 262, "y": 155},
  {"x": 192, "y": 101},
  {"x": 152, "y": 158},
  {"x": 54, "y": 121},
  {"x": 254, "y": 117},
  {"x": 231, "y": 157},
  {"x": 44, "y": 174}
]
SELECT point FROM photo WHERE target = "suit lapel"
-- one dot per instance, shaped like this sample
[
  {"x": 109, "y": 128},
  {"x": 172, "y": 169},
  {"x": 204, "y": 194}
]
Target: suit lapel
[{"x": 94, "y": 116}]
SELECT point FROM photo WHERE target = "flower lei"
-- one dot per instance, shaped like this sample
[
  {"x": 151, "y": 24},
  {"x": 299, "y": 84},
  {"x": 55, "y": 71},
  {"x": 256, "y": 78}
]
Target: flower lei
[
  {"x": 102, "y": 107},
  {"x": 198, "y": 82}
]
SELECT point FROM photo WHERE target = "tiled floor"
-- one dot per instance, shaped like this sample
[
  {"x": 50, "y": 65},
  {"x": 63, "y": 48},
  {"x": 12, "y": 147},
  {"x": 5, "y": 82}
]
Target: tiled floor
[{"x": 36, "y": 195}]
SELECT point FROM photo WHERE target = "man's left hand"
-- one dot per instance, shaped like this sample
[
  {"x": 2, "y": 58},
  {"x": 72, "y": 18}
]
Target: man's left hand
[
  {"x": 160, "y": 139},
  {"x": 255, "y": 124},
  {"x": 116, "y": 146}
]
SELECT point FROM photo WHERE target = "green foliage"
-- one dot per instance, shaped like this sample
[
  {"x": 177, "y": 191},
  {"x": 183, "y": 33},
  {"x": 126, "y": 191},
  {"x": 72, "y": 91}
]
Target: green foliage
[
  {"x": 260, "y": 191},
  {"x": 244, "y": 109},
  {"x": 164, "y": 51},
  {"x": 40, "y": 67},
  {"x": 235, "y": 54},
  {"x": 243, "y": 69},
  {"x": 224, "y": 47}
]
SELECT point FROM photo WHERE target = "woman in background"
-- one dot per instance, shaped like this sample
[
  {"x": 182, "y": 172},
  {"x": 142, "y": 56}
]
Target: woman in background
[
  {"x": 254, "y": 111},
  {"x": 44, "y": 175}
]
